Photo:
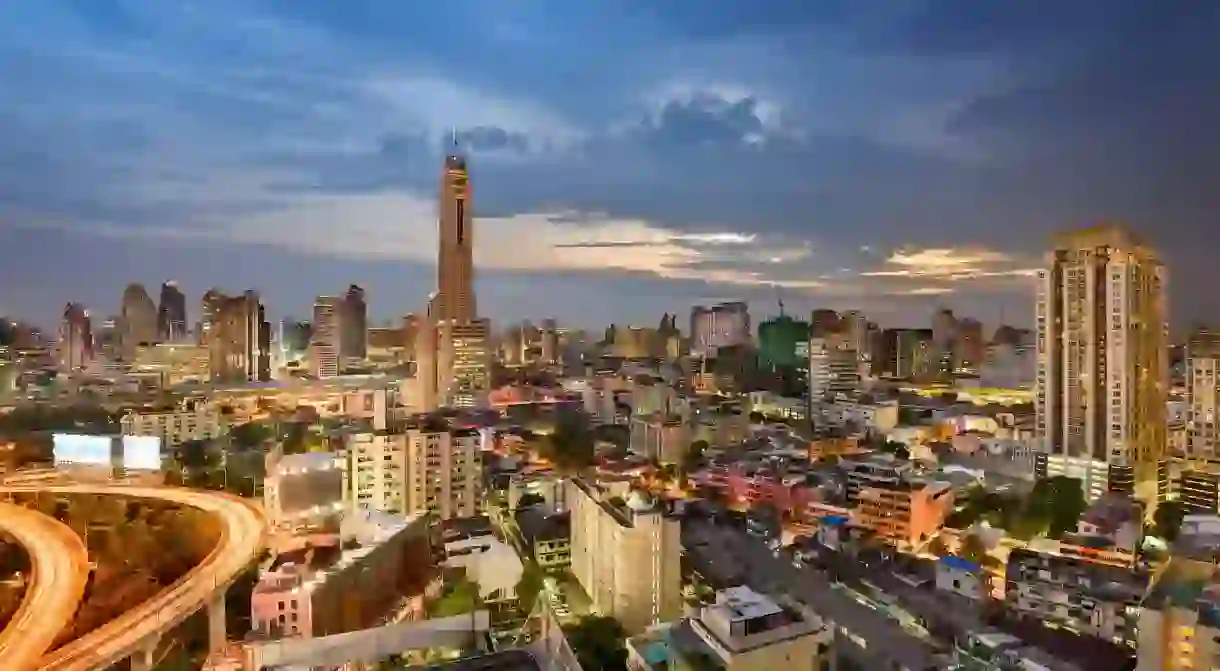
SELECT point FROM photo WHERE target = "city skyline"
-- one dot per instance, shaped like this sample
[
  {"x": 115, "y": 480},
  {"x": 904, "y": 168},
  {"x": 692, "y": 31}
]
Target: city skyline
[{"x": 912, "y": 159}]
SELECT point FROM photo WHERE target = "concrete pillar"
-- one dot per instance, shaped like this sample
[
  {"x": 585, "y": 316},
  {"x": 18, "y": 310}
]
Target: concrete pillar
[
  {"x": 146, "y": 657},
  {"x": 216, "y": 622}
]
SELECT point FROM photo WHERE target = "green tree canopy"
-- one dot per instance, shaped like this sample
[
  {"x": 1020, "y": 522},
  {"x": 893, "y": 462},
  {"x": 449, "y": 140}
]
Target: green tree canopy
[
  {"x": 598, "y": 642},
  {"x": 1167, "y": 520}
]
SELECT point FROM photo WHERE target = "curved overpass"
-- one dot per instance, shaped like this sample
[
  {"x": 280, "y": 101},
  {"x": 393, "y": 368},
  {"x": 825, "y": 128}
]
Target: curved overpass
[
  {"x": 59, "y": 566},
  {"x": 243, "y": 536}
]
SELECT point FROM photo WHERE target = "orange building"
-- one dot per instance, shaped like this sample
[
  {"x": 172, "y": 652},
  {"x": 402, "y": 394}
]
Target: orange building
[{"x": 908, "y": 514}]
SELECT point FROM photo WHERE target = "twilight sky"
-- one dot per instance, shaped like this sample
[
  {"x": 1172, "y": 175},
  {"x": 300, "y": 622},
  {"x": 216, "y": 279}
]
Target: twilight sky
[{"x": 628, "y": 156}]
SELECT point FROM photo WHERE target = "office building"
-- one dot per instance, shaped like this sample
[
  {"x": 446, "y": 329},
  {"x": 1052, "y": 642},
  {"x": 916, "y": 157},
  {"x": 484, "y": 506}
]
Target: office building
[
  {"x": 625, "y": 553},
  {"x": 466, "y": 358},
  {"x": 353, "y": 328},
  {"x": 238, "y": 338},
  {"x": 171, "y": 313},
  {"x": 1100, "y": 394},
  {"x": 327, "y": 337},
  {"x": 718, "y": 326},
  {"x": 780, "y": 341},
  {"x": 833, "y": 368},
  {"x": 75, "y": 347}
]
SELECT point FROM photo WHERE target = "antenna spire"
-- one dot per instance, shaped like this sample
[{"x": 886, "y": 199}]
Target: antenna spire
[{"x": 453, "y": 134}]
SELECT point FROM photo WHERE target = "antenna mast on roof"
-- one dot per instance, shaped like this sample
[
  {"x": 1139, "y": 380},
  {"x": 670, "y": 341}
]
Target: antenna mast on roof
[{"x": 779, "y": 299}]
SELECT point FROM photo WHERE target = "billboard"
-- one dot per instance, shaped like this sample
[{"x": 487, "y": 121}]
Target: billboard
[
  {"x": 142, "y": 453},
  {"x": 75, "y": 448},
  {"x": 308, "y": 484}
]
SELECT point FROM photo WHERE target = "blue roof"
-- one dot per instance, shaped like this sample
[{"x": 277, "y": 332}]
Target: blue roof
[
  {"x": 835, "y": 520},
  {"x": 960, "y": 564}
]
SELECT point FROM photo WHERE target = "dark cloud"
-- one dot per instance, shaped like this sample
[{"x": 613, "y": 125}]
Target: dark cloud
[
  {"x": 490, "y": 138},
  {"x": 705, "y": 120}
]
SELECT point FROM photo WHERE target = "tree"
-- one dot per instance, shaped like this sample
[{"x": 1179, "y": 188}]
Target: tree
[
  {"x": 528, "y": 587},
  {"x": 530, "y": 499},
  {"x": 250, "y": 435},
  {"x": 598, "y": 642},
  {"x": 973, "y": 549},
  {"x": 572, "y": 439},
  {"x": 1167, "y": 520},
  {"x": 693, "y": 458},
  {"x": 937, "y": 547}
]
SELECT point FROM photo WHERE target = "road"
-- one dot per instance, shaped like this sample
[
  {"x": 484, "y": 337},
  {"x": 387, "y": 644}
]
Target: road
[
  {"x": 877, "y": 640},
  {"x": 60, "y": 569},
  {"x": 243, "y": 536}
]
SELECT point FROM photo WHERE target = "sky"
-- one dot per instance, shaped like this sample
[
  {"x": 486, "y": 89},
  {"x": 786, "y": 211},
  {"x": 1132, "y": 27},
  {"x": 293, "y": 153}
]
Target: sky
[{"x": 627, "y": 157}]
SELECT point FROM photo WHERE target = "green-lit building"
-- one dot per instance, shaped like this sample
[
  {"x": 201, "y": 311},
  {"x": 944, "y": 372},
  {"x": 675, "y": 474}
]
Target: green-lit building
[{"x": 783, "y": 343}]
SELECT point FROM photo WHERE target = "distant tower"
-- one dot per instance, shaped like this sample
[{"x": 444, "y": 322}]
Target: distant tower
[
  {"x": 75, "y": 338},
  {"x": 138, "y": 320},
  {"x": 171, "y": 315},
  {"x": 354, "y": 324},
  {"x": 327, "y": 339},
  {"x": 238, "y": 338}
]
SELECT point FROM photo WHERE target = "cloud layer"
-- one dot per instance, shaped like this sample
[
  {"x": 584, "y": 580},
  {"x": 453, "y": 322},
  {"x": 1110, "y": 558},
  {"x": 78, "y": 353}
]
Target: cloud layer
[{"x": 891, "y": 160}]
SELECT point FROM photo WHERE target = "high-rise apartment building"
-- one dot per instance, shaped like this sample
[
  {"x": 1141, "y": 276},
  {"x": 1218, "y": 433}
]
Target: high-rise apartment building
[
  {"x": 1203, "y": 393},
  {"x": 1102, "y": 363},
  {"x": 238, "y": 338},
  {"x": 137, "y": 320},
  {"x": 625, "y": 553},
  {"x": 422, "y": 468},
  {"x": 327, "y": 338},
  {"x": 171, "y": 313},
  {"x": 75, "y": 338}
]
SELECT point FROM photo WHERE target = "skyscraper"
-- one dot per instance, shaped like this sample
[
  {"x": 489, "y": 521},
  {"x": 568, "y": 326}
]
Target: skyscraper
[
  {"x": 454, "y": 371},
  {"x": 171, "y": 315},
  {"x": 720, "y": 326},
  {"x": 327, "y": 340},
  {"x": 354, "y": 324},
  {"x": 137, "y": 320},
  {"x": 1102, "y": 363},
  {"x": 454, "y": 299},
  {"x": 238, "y": 338}
]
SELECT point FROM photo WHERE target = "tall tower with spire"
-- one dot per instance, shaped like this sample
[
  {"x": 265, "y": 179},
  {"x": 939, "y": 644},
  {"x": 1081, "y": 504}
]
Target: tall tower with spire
[
  {"x": 455, "y": 299},
  {"x": 454, "y": 369}
]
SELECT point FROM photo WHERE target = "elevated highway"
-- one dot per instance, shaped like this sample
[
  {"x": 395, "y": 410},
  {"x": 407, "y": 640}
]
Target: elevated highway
[
  {"x": 136, "y": 633},
  {"x": 59, "y": 566}
]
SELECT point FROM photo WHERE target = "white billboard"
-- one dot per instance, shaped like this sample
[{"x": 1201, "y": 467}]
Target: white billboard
[
  {"x": 75, "y": 448},
  {"x": 142, "y": 453}
]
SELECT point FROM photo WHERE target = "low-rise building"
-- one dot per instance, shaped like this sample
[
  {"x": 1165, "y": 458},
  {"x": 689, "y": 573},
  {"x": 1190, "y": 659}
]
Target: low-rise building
[
  {"x": 352, "y": 583},
  {"x": 174, "y": 426},
  {"x": 908, "y": 512},
  {"x": 742, "y": 631},
  {"x": 548, "y": 537},
  {"x": 1076, "y": 593}
]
